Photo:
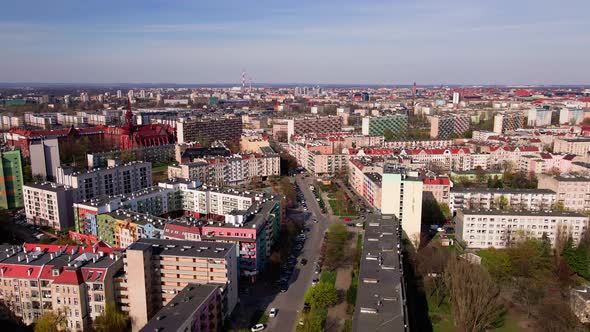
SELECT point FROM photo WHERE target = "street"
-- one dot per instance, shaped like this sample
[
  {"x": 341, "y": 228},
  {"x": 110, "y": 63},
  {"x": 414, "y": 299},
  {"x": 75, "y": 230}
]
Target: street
[{"x": 290, "y": 303}]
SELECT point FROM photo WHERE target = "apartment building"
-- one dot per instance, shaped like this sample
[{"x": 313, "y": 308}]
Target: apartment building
[
  {"x": 437, "y": 189},
  {"x": 539, "y": 117},
  {"x": 254, "y": 232},
  {"x": 505, "y": 122},
  {"x": 71, "y": 120},
  {"x": 456, "y": 159},
  {"x": 572, "y": 191},
  {"x": 318, "y": 158},
  {"x": 10, "y": 121},
  {"x": 11, "y": 179},
  {"x": 571, "y": 116},
  {"x": 317, "y": 124},
  {"x": 489, "y": 198},
  {"x": 578, "y": 146},
  {"x": 157, "y": 270},
  {"x": 49, "y": 204},
  {"x": 209, "y": 130},
  {"x": 498, "y": 228},
  {"x": 448, "y": 126},
  {"x": 237, "y": 169},
  {"x": 196, "y": 308},
  {"x": 42, "y": 120},
  {"x": 45, "y": 158},
  {"x": 413, "y": 144},
  {"x": 77, "y": 281},
  {"x": 253, "y": 143},
  {"x": 397, "y": 124},
  {"x": 117, "y": 178}
]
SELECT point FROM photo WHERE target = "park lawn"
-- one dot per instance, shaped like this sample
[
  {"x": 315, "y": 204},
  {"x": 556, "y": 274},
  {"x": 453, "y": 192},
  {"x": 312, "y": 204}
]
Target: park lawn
[
  {"x": 341, "y": 213},
  {"x": 328, "y": 277}
]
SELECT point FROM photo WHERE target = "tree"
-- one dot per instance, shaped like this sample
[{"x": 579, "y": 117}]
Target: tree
[
  {"x": 558, "y": 206},
  {"x": 554, "y": 315},
  {"x": 528, "y": 293},
  {"x": 501, "y": 202},
  {"x": 474, "y": 297},
  {"x": 388, "y": 134},
  {"x": 321, "y": 295},
  {"x": 446, "y": 211},
  {"x": 480, "y": 174},
  {"x": 497, "y": 263},
  {"x": 51, "y": 322},
  {"x": 111, "y": 320},
  {"x": 314, "y": 320}
]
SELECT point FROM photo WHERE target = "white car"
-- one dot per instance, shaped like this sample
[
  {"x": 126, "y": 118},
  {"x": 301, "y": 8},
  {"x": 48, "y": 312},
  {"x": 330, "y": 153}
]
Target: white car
[
  {"x": 273, "y": 312},
  {"x": 257, "y": 327}
]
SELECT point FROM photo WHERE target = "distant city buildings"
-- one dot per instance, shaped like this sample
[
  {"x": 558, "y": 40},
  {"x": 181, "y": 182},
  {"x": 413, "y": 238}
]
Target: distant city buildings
[{"x": 11, "y": 179}]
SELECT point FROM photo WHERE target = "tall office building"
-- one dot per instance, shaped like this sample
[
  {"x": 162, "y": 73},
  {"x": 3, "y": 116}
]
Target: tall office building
[
  {"x": 448, "y": 126},
  {"x": 11, "y": 179},
  {"x": 45, "y": 158},
  {"x": 142, "y": 94},
  {"x": 119, "y": 94},
  {"x": 130, "y": 94},
  {"x": 397, "y": 124}
]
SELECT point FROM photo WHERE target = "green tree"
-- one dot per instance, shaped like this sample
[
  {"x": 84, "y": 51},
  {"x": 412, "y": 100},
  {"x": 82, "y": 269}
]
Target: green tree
[
  {"x": 480, "y": 174},
  {"x": 497, "y": 263},
  {"x": 314, "y": 321},
  {"x": 112, "y": 320},
  {"x": 501, "y": 202},
  {"x": 446, "y": 211},
  {"x": 321, "y": 295},
  {"x": 50, "y": 322},
  {"x": 558, "y": 206},
  {"x": 388, "y": 134}
]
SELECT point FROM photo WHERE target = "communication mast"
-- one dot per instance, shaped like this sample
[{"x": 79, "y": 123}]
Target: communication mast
[{"x": 243, "y": 80}]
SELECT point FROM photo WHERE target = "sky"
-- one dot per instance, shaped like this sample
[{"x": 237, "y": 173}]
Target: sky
[{"x": 304, "y": 41}]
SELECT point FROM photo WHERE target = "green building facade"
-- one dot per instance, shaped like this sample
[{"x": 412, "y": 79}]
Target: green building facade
[
  {"x": 397, "y": 124},
  {"x": 11, "y": 180}
]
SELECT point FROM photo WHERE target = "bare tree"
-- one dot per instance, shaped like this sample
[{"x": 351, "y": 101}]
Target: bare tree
[{"x": 474, "y": 297}]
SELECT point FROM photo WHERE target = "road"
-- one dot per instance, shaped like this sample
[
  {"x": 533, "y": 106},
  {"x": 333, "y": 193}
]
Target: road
[{"x": 290, "y": 303}]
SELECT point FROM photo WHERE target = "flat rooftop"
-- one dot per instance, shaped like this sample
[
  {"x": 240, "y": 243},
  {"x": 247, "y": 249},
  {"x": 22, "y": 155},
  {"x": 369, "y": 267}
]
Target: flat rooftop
[
  {"x": 550, "y": 213},
  {"x": 183, "y": 248},
  {"x": 380, "y": 295},
  {"x": 181, "y": 308},
  {"x": 502, "y": 191}
]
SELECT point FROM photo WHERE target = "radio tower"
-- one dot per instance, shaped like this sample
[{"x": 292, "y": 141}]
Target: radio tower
[{"x": 243, "y": 80}]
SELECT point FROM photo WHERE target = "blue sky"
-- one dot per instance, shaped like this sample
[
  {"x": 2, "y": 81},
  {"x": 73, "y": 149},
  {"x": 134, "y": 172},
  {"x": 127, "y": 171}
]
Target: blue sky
[{"x": 321, "y": 41}]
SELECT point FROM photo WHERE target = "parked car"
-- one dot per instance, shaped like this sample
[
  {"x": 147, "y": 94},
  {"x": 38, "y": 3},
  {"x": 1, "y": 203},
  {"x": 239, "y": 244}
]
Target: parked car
[
  {"x": 303, "y": 261},
  {"x": 258, "y": 327},
  {"x": 315, "y": 281},
  {"x": 273, "y": 312}
]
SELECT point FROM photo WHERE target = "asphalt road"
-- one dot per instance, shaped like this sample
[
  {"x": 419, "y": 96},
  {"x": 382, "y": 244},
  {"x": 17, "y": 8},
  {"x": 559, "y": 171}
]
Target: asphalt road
[{"x": 290, "y": 303}]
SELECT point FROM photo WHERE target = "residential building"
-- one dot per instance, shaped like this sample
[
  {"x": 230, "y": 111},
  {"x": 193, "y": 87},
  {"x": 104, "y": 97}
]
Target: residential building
[
  {"x": 11, "y": 179},
  {"x": 196, "y": 308},
  {"x": 10, "y": 121},
  {"x": 45, "y": 158},
  {"x": 397, "y": 124},
  {"x": 116, "y": 179},
  {"x": 506, "y": 122},
  {"x": 403, "y": 194},
  {"x": 571, "y": 116},
  {"x": 449, "y": 126},
  {"x": 316, "y": 124},
  {"x": 539, "y": 117},
  {"x": 49, "y": 204},
  {"x": 489, "y": 198},
  {"x": 381, "y": 293},
  {"x": 577, "y": 146},
  {"x": 498, "y": 228},
  {"x": 209, "y": 130},
  {"x": 572, "y": 191},
  {"x": 157, "y": 270},
  {"x": 437, "y": 188},
  {"x": 78, "y": 281}
]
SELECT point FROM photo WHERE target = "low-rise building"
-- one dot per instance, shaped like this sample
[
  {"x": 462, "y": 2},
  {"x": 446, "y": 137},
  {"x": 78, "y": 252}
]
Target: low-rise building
[
  {"x": 572, "y": 191},
  {"x": 195, "y": 308},
  {"x": 78, "y": 281},
  {"x": 498, "y": 228},
  {"x": 490, "y": 198},
  {"x": 578, "y": 146}
]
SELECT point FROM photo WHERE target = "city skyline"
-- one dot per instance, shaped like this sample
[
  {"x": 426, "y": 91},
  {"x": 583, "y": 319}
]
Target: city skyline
[{"x": 389, "y": 43}]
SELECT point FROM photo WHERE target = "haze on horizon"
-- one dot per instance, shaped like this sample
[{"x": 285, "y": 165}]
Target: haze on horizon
[{"x": 324, "y": 42}]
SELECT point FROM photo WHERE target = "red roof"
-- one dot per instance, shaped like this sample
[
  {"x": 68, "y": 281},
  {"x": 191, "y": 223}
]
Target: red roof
[
  {"x": 70, "y": 277},
  {"x": 437, "y": 181}
]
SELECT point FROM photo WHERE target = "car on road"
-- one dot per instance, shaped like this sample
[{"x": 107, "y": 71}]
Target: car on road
[
  {"x": 284, "y": 288},
  {"x": 303, "y": 261},
  {"x": 258, "y": 327},
  {"x": 315, "y": 281},
  {"x": 273, "y": 312},
  {"x": 359, "y": 224},
  {"x": 318, "y": 270},
  {"x": 306, "y": 307}
]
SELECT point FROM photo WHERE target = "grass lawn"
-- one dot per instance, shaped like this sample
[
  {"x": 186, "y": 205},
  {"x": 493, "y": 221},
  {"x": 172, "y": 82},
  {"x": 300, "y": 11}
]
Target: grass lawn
[
  {"x": 328, "y": 277},
  {"x": 348, "y": 212}
]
